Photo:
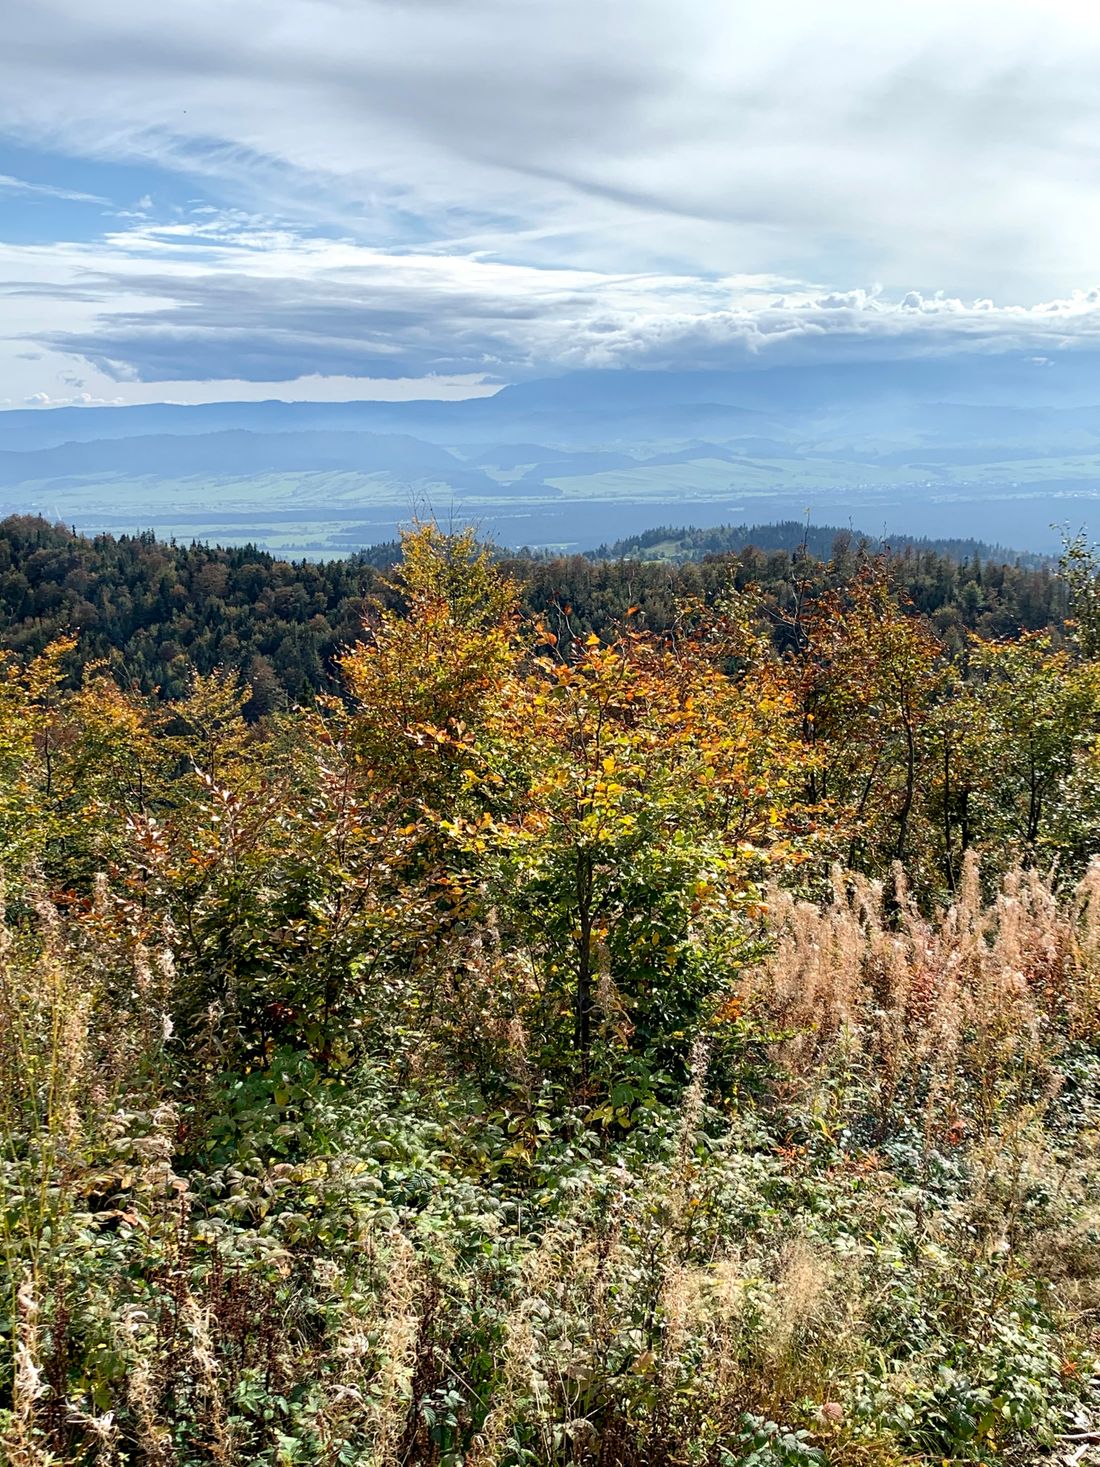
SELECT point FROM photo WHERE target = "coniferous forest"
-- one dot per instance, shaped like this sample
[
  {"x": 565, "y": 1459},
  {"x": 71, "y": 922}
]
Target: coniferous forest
[
  {"x": 523, "y": 1011},
  {"x": 155, "y": 613}
]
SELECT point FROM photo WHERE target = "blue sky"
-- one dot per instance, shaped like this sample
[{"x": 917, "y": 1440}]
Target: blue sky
[{"x": 356, "y": 198}]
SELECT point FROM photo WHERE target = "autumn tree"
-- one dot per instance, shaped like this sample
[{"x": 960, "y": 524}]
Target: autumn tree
[
  {"x": 627, "y": 800},
  {"x": 865, "y": 673},
  {"x": 428, "y": 668},
  {"x": 1036, "y": 711}
]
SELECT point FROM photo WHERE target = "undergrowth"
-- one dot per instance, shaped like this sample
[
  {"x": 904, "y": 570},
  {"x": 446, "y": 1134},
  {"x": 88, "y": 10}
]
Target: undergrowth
[{"x": 877, "y": 1248}]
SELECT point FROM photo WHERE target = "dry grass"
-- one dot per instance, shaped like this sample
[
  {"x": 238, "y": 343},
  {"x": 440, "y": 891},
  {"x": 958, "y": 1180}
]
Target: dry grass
[
  {"x": 682, "y": 1293},
  {"x": 957, "y": 1013}
]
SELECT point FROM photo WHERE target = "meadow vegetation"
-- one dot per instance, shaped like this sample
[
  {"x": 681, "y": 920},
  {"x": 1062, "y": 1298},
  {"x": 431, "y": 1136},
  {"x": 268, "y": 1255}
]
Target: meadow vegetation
[{"x": 656, "y": 1047}]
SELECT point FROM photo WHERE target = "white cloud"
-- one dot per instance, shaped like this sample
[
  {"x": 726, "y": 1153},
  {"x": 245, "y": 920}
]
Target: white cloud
[
  {"x": 79, "y": 399},
  {"x": 10, "y": 185},
  {"x": 941, "y": 145},
  {"x": 503, "y": 187},
  {"x": 233, "y": 297}
]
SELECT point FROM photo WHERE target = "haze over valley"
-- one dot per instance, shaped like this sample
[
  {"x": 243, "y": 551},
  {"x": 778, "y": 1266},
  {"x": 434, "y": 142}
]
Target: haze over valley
[{"x": 1003, "y": 448}]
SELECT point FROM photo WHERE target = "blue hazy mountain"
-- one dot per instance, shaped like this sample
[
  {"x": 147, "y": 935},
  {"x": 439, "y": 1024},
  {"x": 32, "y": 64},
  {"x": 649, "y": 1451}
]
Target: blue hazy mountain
[
  {"x": 1069, "y": 380},
  {"x": 972, "y": 445},
  {"x": 228, "y": 453}
]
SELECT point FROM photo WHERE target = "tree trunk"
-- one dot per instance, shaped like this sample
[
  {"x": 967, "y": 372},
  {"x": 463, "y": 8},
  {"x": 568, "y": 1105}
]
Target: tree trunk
[
  {"x": 910, "y": 789},
  {"x": 582, "y": 1014}
]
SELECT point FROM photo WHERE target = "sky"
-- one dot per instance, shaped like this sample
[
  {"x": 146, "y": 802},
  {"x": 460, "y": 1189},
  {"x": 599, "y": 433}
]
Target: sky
[{"x": 338, "y": 199}]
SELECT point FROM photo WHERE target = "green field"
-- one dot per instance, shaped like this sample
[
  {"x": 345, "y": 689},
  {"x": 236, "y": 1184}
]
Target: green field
[{"x": 328, "y": 512}]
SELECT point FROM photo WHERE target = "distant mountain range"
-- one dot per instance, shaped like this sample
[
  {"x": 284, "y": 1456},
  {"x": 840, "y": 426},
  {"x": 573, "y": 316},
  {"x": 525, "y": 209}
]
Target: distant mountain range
[{"x": 977, "y": 447}]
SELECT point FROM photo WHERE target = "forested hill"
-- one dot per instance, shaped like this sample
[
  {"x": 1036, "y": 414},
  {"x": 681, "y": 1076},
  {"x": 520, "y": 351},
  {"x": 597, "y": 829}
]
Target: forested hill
[
  {"x": 154, "y": 611},
  {"x": 680, "y": 543}
]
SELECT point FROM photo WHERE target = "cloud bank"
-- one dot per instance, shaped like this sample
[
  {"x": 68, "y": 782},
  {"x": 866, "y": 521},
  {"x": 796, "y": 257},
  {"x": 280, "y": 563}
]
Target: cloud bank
[{"x": 493, "y": 189}]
